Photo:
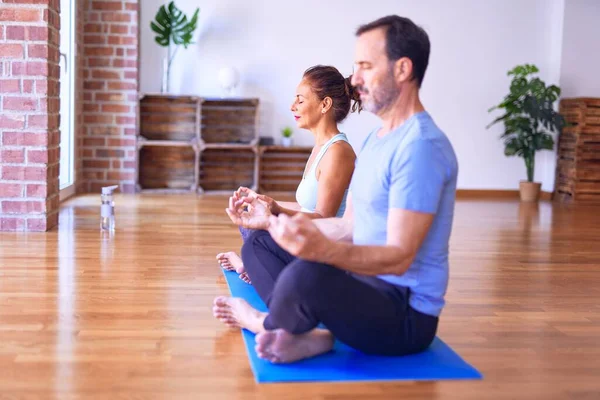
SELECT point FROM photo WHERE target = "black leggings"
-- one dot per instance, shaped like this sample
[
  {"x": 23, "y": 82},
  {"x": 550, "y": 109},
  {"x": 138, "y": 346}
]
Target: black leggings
[{"x": 366, "y": 313}]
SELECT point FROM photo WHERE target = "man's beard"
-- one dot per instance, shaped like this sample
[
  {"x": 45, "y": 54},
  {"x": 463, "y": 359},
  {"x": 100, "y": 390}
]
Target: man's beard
[{"x": 383, "y": 97}]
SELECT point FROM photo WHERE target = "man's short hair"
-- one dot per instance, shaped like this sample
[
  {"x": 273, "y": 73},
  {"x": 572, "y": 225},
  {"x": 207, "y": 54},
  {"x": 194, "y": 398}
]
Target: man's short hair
[{"x": 403, "y": 39}]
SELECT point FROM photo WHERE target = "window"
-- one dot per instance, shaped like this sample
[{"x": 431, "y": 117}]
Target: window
[{"x": 67, "y": 84}]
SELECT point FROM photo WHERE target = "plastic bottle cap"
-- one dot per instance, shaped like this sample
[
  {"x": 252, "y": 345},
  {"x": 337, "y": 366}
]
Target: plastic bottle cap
[{"x": 109, "y": 189}]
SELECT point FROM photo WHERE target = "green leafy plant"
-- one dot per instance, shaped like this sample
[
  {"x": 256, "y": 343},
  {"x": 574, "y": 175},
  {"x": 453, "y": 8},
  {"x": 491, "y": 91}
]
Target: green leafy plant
[
  {"x": 173, "y": 29},
  {"x": 529, "y": 116},
  {"x": 287, "y": 132}
]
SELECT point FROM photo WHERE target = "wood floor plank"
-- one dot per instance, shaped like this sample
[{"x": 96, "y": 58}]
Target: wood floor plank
[{"x": 129, "y": 317}]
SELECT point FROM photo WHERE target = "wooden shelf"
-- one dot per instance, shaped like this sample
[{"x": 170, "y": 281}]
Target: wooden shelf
[
  {"x": 170, "y": 118},
  {"x": 209, "y": 145},
  {"x": 227, "y": 169},
  {"x": 228, "y": 146},
  {"x": 171, "y": 143},
  {"x": 281, "y": 168},
  {"x": 578, "y": 153},
  {"x": 167, "y": 167},
  {"x": 178, "y": 131},
  {"x": 284, "y": 149},
  {"x": 232, "y": 120}
]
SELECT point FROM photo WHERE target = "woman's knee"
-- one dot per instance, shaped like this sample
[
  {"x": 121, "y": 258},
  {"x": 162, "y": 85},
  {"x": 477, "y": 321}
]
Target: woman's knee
[
  {"x": 254, "y": 240},
  {"x": 245, "y": 233}
]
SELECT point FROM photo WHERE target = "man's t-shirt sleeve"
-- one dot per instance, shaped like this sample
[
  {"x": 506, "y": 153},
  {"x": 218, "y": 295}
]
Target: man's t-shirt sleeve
[{"x": 417, "y": 177}]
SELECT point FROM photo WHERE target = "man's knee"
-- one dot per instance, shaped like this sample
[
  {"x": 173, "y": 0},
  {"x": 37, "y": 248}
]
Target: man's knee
[{"x": 306, "y": 280}]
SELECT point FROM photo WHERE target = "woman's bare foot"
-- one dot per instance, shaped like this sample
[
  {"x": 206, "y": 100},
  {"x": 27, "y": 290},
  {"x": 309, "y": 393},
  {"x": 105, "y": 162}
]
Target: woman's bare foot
[
  {"x": 244, "y": 276},
  {"x": 279, "y": 346},
  {"x": 237, "y": 313},
  {"x": 231, "y": 262}
]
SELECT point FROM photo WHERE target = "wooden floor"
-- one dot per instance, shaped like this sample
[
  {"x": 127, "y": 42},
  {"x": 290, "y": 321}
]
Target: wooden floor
[{"x": 82, "y": 316}]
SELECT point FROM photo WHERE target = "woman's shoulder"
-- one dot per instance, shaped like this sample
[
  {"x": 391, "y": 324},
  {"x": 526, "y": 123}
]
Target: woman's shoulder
[{"x": 339, "y": 152}]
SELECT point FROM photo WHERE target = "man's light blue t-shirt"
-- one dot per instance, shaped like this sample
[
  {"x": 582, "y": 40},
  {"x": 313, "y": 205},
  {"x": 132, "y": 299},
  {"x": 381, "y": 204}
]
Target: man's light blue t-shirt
[{"x": 414, "y": 168}]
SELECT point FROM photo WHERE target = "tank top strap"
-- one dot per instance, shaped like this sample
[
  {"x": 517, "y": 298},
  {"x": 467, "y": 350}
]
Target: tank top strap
[{"x": 336, "y": 138}]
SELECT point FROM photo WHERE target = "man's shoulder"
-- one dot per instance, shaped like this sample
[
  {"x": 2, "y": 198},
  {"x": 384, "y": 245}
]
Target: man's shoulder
[
  {"x": 425, "y": 128},
  {"x": 426, "y": 140},
  {"x": 426, "y": 131}
]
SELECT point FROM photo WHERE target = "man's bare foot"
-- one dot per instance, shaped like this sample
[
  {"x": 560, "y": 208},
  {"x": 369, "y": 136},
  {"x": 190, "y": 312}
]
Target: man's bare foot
[
  {"x": 237, "y": 313},
  {"x": 231, "y": 262},
  {"x": 279, "y": 346}
]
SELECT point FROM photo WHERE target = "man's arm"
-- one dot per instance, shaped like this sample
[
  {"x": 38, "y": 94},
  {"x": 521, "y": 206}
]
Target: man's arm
[
  {"x": 318, "y": 240},
  {"x": 406, "y": 232},
  {"x": 416, "y": 186}
]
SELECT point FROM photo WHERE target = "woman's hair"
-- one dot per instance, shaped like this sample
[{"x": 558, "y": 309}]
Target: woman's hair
[{"x": 327, "y": 81}]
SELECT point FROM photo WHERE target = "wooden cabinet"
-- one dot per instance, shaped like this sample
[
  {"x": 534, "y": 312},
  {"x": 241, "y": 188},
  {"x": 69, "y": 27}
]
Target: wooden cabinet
[
  {"x": 189, "y": 143},
  {"x": 227, "y": 168},
  {"x": 578, "y": 153},
  {"x": 229, "y": 121},
  {"x": 281, "y": 168},
  {"x": 195, "y": 144},
  {"x": 167, "y": 167}
]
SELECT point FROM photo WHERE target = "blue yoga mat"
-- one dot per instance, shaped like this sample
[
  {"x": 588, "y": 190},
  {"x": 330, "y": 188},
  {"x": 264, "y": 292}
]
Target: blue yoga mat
[{"x": 439, "y": 362}]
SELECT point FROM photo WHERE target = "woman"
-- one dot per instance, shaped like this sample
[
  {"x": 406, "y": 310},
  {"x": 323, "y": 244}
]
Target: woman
[{"x": 323, "y": 100}]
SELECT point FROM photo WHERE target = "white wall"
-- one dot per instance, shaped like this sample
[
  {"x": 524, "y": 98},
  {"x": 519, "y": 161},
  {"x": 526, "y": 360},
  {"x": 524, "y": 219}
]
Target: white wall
[
  {"x": 575, "y": 51},
  {"x": 580, "y": 69},
  {"x": 546, "y": 160},
  {"x": 474, "y": 43}
]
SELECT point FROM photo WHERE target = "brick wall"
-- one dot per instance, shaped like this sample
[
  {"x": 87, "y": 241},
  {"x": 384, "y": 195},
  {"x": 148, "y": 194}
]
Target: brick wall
[
  {"x": 106, "y": 87},
  {"x": 29, "y": 114},
  {"x": 108, "y": 39}
]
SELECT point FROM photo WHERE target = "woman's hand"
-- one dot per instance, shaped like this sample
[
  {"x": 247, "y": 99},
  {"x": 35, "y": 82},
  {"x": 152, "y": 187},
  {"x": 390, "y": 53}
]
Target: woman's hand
[
  {"x": 269, "y": 202},
  {"x": 248, "y": 212}
]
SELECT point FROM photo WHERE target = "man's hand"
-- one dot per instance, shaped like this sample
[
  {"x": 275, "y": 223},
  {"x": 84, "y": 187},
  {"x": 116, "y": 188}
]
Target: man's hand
[
  {"x": 271, "y": 204},
  {"x": 256, "y": 216},
  {"x": 299, "y": 236}
]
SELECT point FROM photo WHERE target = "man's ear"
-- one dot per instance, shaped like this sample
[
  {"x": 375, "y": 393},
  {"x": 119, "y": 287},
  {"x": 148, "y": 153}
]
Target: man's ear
[{"x": 403, "y": 69}]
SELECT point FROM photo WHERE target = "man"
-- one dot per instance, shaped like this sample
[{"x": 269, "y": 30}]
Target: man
[{"x": 375, "y": 278}]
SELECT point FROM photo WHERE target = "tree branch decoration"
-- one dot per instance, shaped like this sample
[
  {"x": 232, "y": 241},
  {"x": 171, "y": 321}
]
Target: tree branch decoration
[{"x": 173, "y": 30}]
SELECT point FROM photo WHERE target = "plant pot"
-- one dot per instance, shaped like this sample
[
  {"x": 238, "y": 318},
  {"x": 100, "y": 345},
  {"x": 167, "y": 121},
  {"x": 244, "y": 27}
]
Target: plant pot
[
  {"x": 529, "y": 191},
  {"x": 286, "y": 141}
]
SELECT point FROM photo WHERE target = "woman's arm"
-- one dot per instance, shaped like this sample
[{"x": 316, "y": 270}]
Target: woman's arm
[
  {"x": 339, "y": 229},
  {"x": 334, "y": 174},
  {"x": 290, "y": 205}
]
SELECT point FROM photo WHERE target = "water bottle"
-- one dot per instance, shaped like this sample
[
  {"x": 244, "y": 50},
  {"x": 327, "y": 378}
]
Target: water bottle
[{"x": 107, "y": 209}]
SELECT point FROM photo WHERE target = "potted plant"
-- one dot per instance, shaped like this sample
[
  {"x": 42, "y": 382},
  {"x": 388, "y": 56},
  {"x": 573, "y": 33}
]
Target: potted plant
[
  {"x": 286, "y": 139},
  {"x": 529, "y": 119},
  {"x": 173, "y": 30}
]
